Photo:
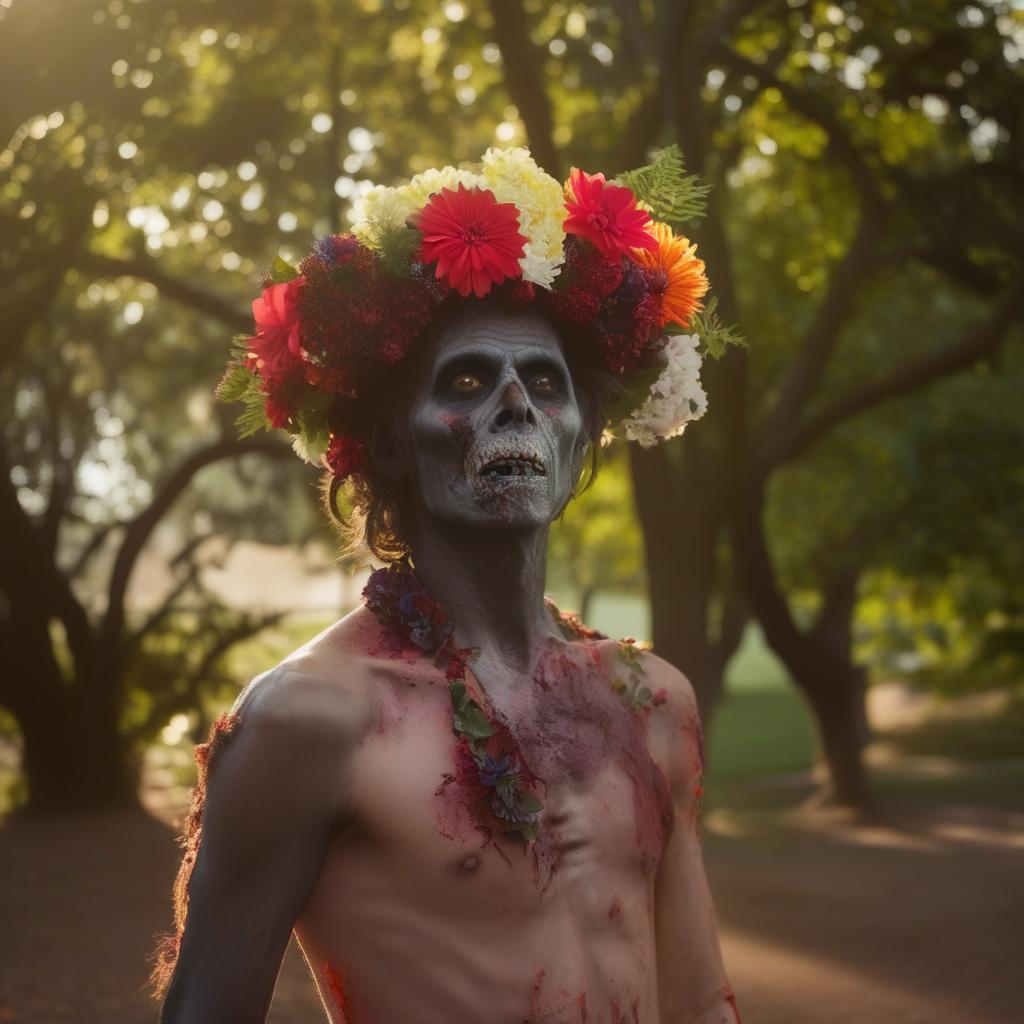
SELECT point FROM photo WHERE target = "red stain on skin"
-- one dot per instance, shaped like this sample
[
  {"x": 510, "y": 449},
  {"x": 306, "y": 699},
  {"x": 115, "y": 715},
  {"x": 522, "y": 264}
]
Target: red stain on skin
[
  {"x": 730, "y": 998},
  {"x": 581, "y": 999},
  {"x": 457, "y": 812},
  {"x": 615, "y": 910},
  {"x": 701, "y": 759},
  {"x": 460, "y": 427},
  {"x": 535, "y": 1012},
  {"x": 336, "y": 986},
  {"x": 578, "y": 724},
  {"x": 619, "y": 1017}
]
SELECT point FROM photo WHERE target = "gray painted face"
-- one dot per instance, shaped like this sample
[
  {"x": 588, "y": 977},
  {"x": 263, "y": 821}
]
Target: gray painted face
[{"x": 496, "y": 429}]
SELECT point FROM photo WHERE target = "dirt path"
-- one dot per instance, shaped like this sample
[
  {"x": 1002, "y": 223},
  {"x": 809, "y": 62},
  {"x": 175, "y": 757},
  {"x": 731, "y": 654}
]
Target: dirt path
[{"x": 819, "y": 925}]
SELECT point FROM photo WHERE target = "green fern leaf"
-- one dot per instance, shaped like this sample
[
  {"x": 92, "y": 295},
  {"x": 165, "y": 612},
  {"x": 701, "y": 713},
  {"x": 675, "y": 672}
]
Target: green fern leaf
[
  {"x": 234, "y": 384},
  {"x": 715, "y": 336},
  {"x": 674, "y": 196},
  {"x": 254, "y": 417}
]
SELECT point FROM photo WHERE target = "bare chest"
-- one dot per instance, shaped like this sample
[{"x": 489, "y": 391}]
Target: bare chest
[{"x": 424, "y": 810}]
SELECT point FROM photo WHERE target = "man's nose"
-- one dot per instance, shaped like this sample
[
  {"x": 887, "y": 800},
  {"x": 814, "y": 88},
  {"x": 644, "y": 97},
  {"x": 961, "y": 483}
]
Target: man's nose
[{"x": 513, "y": 406}]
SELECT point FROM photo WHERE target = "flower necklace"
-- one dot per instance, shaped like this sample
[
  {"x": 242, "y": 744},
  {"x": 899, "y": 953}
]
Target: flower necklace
[{"x": 402, "y": 604}]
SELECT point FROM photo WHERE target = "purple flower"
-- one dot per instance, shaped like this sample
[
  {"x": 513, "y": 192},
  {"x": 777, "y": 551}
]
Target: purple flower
[
  {"x": 335, "y": 248},
  {"x": 403, "y": 605},
  {"x": 495, "y": 770}
]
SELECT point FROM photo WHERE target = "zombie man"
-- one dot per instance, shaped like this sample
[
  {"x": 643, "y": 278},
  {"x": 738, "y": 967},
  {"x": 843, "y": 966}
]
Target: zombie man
[{"x": 466, "y": 805}]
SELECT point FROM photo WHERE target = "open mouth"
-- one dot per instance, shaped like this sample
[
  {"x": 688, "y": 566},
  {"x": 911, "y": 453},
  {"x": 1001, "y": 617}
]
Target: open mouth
[{"x": 512, "y": 466}]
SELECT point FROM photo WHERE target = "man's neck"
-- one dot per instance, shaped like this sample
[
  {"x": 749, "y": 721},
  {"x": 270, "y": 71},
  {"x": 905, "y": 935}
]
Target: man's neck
[{"x": 491, "y": 585}]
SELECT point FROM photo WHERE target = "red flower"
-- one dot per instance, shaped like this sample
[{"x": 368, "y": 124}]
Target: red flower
[
  {"x": 344, "y": 456},
  {"x": 474, "y": 238},
  {"x": 274, "y": 352},
  {"x": 607, "y": 215},
  {"x": 278, "y": 411},
  {"x": 330, "y": 380}
]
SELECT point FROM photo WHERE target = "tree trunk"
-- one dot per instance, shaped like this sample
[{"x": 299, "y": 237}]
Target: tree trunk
[
  {"x": 71, "y": 766},
  {"x": 587, "y": 595},
  {"x": 733, "y": 623},
  {"x": 838, "y": 723},
  {"x": 818, "y": 660},
  {"x": 679, "y": 549}
]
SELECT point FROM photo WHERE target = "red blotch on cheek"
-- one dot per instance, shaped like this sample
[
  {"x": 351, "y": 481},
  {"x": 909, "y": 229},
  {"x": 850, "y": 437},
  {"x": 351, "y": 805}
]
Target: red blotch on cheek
[{"x": 460, "y": 427}]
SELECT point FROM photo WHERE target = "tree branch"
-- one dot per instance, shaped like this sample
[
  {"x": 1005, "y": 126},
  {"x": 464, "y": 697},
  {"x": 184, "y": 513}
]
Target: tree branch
[
  {"x": 139, "y": 529},
  {"x": 62, "y": 484},
  {"x": 640, "y": 133},
  {"x": 814, "y": 109},
  {"x": 145, "y": 269},
  {"x": 722, "y": 25},
  {"x": 822, "y": 336},
  {"x": 32, "y": 579},
  {"x": 167, "y": 605},
  {"x": 978, "y": 343},
  {"x": 185, "y": 699},
  {"x": 525, "y": 81},
  {"x": 91, "y": 546}
]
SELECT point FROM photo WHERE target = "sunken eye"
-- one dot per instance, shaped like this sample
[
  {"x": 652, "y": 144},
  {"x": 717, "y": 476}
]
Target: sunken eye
[
  {"x": 545, "y": 383},
  {"x": 466, "y": 383}
]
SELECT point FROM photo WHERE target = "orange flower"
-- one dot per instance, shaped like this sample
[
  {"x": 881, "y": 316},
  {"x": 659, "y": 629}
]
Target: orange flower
[{"x": 685, "y": 279}]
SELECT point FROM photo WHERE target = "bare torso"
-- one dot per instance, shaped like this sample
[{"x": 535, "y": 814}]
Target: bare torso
[{"x": 422, "y": 913}]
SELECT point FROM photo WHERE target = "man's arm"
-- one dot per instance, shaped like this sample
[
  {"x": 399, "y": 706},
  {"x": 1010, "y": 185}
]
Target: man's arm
[
  {"x": 272, "y": 800},
  {"x": 692, "y": 984}
]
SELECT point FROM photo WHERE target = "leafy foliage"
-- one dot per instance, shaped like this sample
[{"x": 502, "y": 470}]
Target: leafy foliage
[
  {"x": 715, "y": 336},
  {"x": 673, "y": 196}
]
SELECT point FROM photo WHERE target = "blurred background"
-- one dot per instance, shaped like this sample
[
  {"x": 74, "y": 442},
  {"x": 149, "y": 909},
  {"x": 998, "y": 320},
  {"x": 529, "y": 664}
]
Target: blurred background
[{"x": 833, "y": 555}]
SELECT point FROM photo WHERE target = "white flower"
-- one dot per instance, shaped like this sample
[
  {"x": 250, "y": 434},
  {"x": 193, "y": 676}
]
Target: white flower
[
  {"x": 675, "y": 399},
  {"x": 378, "y": 213},
  {"x": 424, "y": 185},
  {"x": 384, "y": 210},
  {"x": 310, "y": 449},
  {"x": 537, "y": 269},
  {"x": 511, "y": 174},
  {"x": 514, "y": 177}
]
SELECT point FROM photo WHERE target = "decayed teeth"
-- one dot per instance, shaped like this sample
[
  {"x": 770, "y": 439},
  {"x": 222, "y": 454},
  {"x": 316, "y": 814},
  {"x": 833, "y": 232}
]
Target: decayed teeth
[
  {"x": 510, "y": 463},
  {"x": 511, "y": 467}
]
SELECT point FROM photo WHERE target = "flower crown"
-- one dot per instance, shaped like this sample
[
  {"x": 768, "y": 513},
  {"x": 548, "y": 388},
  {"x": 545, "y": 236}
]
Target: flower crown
[{"x": 596, "y": 255}]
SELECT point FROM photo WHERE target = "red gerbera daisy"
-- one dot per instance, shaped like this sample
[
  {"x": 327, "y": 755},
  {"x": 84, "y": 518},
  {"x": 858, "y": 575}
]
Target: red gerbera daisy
[
  {"x": 607, "y": 215},
  {"x": 474, "y": 238}
]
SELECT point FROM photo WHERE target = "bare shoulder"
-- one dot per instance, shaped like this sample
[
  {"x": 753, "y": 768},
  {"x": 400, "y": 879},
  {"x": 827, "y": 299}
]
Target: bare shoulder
[
  {"x": 674, "y": 728},
  {"x": 672, "y": 690},
  {"x": 322, "y": 690}
]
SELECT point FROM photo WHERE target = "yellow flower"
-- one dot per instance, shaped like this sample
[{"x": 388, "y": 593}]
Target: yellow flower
[{"x": 514, "y": 177}]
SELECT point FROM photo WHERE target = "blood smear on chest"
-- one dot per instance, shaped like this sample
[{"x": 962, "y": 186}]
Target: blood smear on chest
[{"x": 576, "y": 723}]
